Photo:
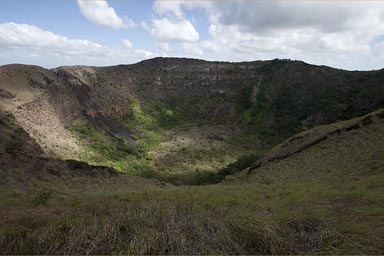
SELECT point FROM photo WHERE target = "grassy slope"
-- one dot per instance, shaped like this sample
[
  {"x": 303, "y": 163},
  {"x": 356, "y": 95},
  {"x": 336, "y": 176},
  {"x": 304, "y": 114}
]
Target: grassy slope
[
  {"x": 339, "y": 180},
  {"x": 325, "y": 199}
]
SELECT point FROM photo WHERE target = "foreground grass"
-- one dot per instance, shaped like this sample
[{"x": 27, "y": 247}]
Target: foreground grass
[{"x": 281, "y": 218}]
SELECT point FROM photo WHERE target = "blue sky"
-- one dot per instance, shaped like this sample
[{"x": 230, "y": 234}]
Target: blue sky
[
  {"x": 52, "y": 33},
  {"x": 64, "y": 17}
]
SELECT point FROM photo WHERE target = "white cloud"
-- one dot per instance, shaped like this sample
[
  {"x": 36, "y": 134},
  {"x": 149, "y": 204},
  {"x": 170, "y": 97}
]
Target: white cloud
[
  {"x": 164, "y": 46},
  {"x": 99, "y": 12},
  {"x": 126, "y": 43},
  {"x": 339, "y": 34},
  {"x": 169, "y": 7},
  {"x": 192, "y": 49},
  {"x": 174, "y": 30},
  {"x": 310, "y": 24},
  {"x": 24, "y": 43},
  {"x": 172, "y": 26},
  {"x": 13, "y": 35},
  {"x": 267, "y": 17},
  {"x": 146, "y": 54},
  {"x": 145, "y": 26}
]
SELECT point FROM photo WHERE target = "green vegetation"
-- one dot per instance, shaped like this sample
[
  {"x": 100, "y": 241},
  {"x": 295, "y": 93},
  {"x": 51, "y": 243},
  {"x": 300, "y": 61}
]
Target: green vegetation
[
  {"x": 168, "y": 113},
  {"x": 108, "y": 152},
  {"x": 255, "y": 113},
  {"x": 113, "y": 150},
  {"x": 288, "y": 101},
  {"x": 177, "y": 111},
  {"x": 176, "y": 143}
]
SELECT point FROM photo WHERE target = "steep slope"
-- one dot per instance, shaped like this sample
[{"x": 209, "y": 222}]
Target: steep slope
[
  {"x": 27, "y": 175},
  {"x": 43, "y": 105}
]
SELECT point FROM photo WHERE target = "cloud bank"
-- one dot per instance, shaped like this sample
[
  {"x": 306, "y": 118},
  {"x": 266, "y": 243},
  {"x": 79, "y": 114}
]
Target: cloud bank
[
  {"x": 27, "y": 43},
  {"x": 336, "y": 33}
]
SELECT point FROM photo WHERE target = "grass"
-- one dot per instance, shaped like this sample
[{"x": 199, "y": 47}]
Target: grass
[
  {"x": 145, "y": 223},
  {"x": 327, "y": 199},
  {"x": 279, "y": 218}
]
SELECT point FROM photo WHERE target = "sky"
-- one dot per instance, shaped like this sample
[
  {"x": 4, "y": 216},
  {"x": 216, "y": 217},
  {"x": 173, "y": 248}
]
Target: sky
[{"x": 50, "y": 33}]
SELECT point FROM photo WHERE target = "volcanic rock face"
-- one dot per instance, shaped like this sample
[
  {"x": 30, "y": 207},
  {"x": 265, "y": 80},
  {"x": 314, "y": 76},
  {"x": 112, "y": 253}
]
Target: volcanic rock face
[{"x": 160, "y": 78}]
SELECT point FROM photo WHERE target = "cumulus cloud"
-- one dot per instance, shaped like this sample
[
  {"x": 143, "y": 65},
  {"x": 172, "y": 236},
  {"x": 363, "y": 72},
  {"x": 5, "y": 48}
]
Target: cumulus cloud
[
  {"x": 330, "y": 23},
  {"x": 326, "y": 17},
  {"x": 169, "y": 7},
  {"x": 144, "y": 53},
  {"x": 164, "y": 46},
  {"x": 171, "y": 25},
  {"x": 31, "y": 44},
  {"x": 174, "y": 30},
  {"x": 145, "y": 26},
  {"x": 99, "y": 12},
  {"x": 126, "y": 43},
  {"x": 13, "y": 35},
  {"x": 192, "y": 49}
]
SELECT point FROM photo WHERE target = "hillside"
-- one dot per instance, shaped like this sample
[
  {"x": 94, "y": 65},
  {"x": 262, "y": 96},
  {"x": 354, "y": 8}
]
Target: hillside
[
  {"x": 28, "y": 177},
  {"x": 179, "y": 119},
  {"x": 338, "y": 180}
]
